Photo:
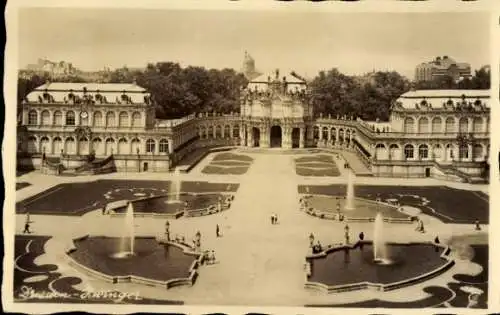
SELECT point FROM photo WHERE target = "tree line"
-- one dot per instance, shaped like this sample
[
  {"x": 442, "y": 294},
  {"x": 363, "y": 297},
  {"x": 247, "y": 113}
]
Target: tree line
[{"x": 179, "y": 91}]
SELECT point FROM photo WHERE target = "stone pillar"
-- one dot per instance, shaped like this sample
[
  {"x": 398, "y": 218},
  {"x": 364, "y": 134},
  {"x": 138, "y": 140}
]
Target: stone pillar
[
  {"x": 265, "y": 137},
  {"x": 242, "y": 135},
  {"x": 250, "y": 136},
  {"x": 469, "y": 149},
  {"x": 214, "y": 132},
  {"x": 301, "y": 138},
  {"x": 170, "y": 146},
  {"x": 320, "y": 133}
]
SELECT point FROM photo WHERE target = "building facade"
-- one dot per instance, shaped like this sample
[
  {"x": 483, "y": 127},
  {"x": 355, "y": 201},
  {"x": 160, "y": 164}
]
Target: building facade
[
  {"x": 442, "y": 66},
  {"x": 433, "y": 133}
]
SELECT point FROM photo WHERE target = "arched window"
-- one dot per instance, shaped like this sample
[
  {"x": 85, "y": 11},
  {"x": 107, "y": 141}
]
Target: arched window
[
  {"x": 236, "y": 131},
  {"x": 316, "y": 132},
  {"x": 110, "y": 119},
  {"x": 437, "y": 123},
  {"x": 123, "y": 119},
  {"x": 136, "y": 146},
  {"x": 45, "y": 118},
  {"x": 423, "y": 152},
  {"x": 477, "y": 152},
  {"x": 150, "y": 146},
  {"x": 32, "y": 117},
  {"x": 438, "y": 152},
  {"x": 97, "y": 146},
  {"x": 109, "y": 146},
  {"x": 57, "y": 145},
  {"x": 136, "y": 119},
  {"x": 97, "y": 119},
  {"x": 70, "y": 146},
  {"x": 463, "y": 125},
  {"x": 58, "y": 118},
  {"x": 333, "y": 132},
  {"x": 32, "y": 147},
  {"x": 84, "y": 146},
  {"x": 463, "y": 151},
  {"x": 123, "y": 146},
  {"x": 409, "y": 125},
  {"x": 203, "y": 131},
  {"x": 218, "y": 132},
  {"x": 163, "y": 146},
  {"x": 449, "y": 125},
  {"x": 324, "y": 133},
  {"x": 409, "y": 151},
  {"x": 227, "y": 131},
  {"x": 478, "y": 125},
  {"x": 423, "y": 125},
  {"x": 70, "y": 118},
  {"x": 341, "y": 135},
  {"x": 44, "y": 145},
  {"x": 394, "y": 152},
  {"x": 380, "y": 152},
  {"x": 210, "y": 132}
]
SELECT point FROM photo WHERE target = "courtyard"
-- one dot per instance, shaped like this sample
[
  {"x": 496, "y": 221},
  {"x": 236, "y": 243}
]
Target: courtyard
[{"x": 257, "y": 262}]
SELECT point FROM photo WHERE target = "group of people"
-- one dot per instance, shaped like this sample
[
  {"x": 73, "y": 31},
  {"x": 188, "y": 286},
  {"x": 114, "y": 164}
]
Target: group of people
[{"x": 210, "y": 257}]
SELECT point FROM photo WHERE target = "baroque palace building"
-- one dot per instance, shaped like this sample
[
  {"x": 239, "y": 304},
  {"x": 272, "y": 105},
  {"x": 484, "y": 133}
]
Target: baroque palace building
[{"x": 432, "y": 133}]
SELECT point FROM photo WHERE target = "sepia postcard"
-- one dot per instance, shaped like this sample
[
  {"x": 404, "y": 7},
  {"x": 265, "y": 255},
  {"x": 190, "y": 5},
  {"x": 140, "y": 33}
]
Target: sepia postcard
[{"x": 186, "y": 160}]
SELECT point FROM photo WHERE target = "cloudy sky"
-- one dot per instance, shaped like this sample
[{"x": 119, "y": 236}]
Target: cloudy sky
[{"x": 306, "y": 42}]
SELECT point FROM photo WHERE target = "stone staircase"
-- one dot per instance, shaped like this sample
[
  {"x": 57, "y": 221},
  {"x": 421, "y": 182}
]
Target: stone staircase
[{"x": 357, "y": 166}]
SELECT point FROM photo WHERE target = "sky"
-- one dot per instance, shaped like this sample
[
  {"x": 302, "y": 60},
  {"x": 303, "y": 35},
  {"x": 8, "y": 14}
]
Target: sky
[{"x": 305, "y": 42}]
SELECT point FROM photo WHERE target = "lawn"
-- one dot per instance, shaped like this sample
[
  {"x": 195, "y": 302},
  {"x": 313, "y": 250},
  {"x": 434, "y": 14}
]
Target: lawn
[
  {"x": 447, "y": 204},
  {"x": 316, "y": 165},
  {"x": 228, "y": 163},
  {"x": 80, "y": 198}
]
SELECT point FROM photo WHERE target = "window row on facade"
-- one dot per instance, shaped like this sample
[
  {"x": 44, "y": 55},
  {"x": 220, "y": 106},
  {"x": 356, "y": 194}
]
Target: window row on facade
[
  {"x": 218, "y": 131},
  {"x": 448, "y": 152},
  {"x": 101, "y": 147},
  {"x": 97, "y": 119},
  {"x": 450, "y": 125},
  {"x": 332, "y": 133}
]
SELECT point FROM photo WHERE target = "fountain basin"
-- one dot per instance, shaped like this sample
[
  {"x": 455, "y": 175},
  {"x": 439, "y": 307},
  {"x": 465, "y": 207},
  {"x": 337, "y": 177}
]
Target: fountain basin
[
  {"x": 349, "y": 268},
  {"x": 154, "y": 263},
  {"x": 364, "y": 210},
  {"x": 188, "y": 204}
]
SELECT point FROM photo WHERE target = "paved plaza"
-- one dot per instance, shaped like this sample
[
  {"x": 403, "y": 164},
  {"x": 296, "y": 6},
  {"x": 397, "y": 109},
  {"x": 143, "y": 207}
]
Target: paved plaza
[{"x": 257, "y": 262}]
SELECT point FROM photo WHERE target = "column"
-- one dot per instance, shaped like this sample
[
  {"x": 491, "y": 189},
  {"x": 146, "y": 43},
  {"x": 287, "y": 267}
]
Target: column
[
  {"x": 337, "y": 137},
  {"x": 231, "y": 128},
  {"x": 301, "y": 138},
  {"x": 242, "y": 134},
  {"x": 265, "y": 137},
  {"x": 170, "y": 146},
  {"x": 214, "y": 132},
  {"x": 250, "y": 136},
  {"x": 469, "y": 150},
  {"x": 320, "y": 133}
]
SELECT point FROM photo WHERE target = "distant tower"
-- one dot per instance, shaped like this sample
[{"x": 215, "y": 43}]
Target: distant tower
[{"x": 249, "y": 66}]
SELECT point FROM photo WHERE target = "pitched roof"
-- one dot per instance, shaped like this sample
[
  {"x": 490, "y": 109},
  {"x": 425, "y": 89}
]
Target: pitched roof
[
  {"x": 110, "y": 91},
  {"x": 290, "y": 78},
  {"x": 439, "y": 97}
]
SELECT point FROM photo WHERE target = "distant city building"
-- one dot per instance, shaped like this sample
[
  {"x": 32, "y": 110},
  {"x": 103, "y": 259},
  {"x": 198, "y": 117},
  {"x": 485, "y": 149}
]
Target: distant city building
[
  {"x": 442, "y": 66},
  {"x": 53, "y": 68},
  {"x": 249, "y": 69}
]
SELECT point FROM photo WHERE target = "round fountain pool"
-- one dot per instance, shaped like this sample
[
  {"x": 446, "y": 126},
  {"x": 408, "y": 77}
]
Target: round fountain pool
[
  {"x": 363, "y": 209},
  {"x": 167, "y": 204},
  {"x": 352, "y": 268},
  {"x": 151, "y": 262}
]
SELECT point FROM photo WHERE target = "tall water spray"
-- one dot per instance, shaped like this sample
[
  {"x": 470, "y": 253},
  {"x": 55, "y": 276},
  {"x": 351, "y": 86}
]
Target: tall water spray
[
  {"x": 128, "y": 236},
  {"x": 175, "y": 186},
  {"x": 379, "y": 244},
  {"x": 349, "y": 204}
]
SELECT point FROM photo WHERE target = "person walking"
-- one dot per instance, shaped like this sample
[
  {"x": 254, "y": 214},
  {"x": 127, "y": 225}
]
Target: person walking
[
  {"x": 217, "y": 231},
  {"x": 27, "y": 228},
  {"x": 478, "y": 227}
]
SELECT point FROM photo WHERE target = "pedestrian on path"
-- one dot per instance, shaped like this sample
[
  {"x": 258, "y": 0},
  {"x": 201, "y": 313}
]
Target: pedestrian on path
[
  {"x": 217, "y": 231},
  {"x": 27, "y": 228},
  {"x": 275, "y": 218},
  {"x": 361, "y": 236},
  {"x": 478, "y": 227},
  {"x": 272, "y": 218}
]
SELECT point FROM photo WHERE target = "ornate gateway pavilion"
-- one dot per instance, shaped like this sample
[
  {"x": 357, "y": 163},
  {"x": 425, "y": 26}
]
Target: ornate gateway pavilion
[{"x": 85, "y": 127}]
